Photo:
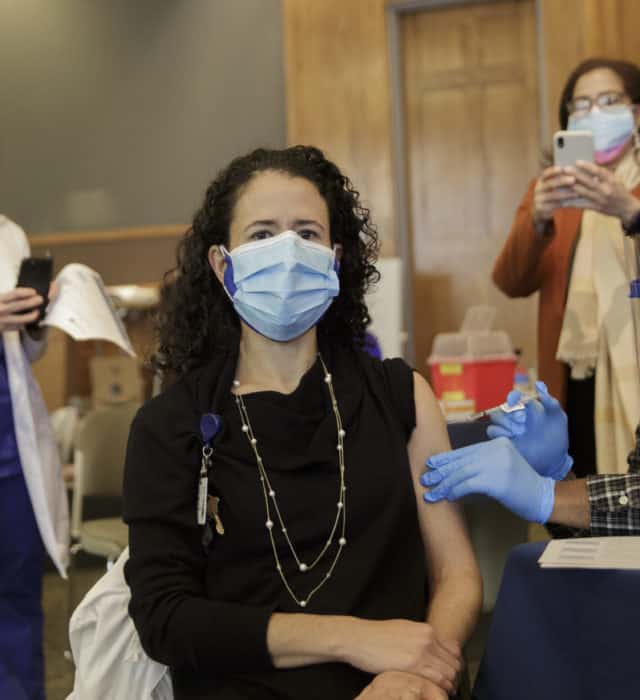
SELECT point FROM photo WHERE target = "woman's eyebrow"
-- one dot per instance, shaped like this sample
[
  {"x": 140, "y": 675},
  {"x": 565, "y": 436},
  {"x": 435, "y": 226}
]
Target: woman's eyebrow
[
  {"x": 262, "y": 222},
  {"x": 307, "y": 222},
  {"x": 272, "y": 222}
]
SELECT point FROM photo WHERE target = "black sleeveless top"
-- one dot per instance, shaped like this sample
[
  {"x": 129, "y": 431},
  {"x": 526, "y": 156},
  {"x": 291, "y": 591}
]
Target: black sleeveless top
[{"x": 204, "y": 611}]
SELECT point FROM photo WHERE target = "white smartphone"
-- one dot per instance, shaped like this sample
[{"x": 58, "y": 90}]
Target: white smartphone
[{"x": 569, "y": 147}]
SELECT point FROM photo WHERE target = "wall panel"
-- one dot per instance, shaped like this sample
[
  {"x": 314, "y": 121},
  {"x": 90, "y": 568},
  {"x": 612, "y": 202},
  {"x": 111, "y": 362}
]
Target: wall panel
[
  {"x": 578, "y": 29},
  {"x": 337, "y": 87},
  {"x": 466, "y": 74},
  {"x": 337, "y": 75}
]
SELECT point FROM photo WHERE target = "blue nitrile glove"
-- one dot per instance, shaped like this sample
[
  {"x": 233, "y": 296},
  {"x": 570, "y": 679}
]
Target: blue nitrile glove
[
  {"x": 495, "y": 469},
  {"x": 539, "y": 432}
]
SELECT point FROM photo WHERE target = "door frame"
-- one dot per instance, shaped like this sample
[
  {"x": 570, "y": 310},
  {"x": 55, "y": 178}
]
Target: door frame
[{"x": 394, "y": 10}]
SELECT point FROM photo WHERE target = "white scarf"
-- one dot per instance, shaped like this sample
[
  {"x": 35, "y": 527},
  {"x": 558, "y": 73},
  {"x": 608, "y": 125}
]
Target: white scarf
[{"x": 597, "y": 330}]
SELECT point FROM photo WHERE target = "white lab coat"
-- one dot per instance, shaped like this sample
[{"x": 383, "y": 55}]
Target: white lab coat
[
  {"x": 34, "y": 436},
  {"x": 110, "y": 662}
]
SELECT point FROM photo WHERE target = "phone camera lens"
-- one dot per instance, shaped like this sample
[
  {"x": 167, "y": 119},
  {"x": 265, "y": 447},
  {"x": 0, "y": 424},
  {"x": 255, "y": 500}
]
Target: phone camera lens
[{"x": 560, "y": 141}]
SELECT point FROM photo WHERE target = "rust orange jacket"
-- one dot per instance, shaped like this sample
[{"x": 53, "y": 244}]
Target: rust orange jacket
[{"x": 530, "y": 262}]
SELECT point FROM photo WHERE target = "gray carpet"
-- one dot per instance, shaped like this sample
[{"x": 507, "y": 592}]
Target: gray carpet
[{"x": 58, "y": 669}]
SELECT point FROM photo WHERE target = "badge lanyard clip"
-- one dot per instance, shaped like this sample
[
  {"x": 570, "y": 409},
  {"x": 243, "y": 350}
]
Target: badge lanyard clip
[
  {"x": 203, "y": 483},
  {"x": 210, "y": 425}
]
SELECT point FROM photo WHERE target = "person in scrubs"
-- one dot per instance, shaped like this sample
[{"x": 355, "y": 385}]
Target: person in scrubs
[{"x": 33, "y": 503}]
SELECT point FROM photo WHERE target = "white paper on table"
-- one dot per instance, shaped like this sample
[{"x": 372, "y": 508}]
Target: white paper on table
[
  {"x": 592, "y": 553},
  {"x": 84, "y": 310}
]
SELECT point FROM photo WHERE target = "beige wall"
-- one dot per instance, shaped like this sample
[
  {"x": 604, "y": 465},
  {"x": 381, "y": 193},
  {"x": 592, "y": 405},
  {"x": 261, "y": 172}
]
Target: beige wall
[
  {"x": 337, "y": 87},
  {"x": 119, "y": 112},
  {"x": 136, "y": 255}
]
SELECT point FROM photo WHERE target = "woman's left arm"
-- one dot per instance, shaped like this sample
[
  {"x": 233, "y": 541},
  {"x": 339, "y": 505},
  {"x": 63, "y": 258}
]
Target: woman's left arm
[
  {"x": 604, "y": 191},
  {"x": 456, "y": 585}
]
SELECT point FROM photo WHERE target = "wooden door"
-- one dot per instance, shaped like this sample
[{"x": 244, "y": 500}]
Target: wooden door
[{"x": 471, "y": 110}]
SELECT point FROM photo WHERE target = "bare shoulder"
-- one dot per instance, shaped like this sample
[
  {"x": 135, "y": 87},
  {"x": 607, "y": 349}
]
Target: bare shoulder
[
  {"x": 430, "y": 434},
  {"x": 444, "y": 535}
]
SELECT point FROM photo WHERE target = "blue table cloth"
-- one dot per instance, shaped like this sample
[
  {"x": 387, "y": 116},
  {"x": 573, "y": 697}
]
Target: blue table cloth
[
  {"x": 493, "y": 529},
  {"x": 562, "y": 634}
]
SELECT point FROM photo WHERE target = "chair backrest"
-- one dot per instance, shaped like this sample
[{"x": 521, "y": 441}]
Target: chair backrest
[
  {"x": 100, "y": 447},
  {"x": 64, "y": 421}
]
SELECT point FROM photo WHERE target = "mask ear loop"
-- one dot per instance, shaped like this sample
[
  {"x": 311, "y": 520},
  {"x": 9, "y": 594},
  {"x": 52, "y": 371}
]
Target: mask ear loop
[
  {"x": 635, "y": 111},
  {"x": 336, "y": 262},
  {"x": 228, "y": 285}
]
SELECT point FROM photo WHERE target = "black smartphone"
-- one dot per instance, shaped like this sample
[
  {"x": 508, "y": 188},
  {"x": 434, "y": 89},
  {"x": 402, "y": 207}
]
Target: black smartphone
[{"x": 37, "y": 274}]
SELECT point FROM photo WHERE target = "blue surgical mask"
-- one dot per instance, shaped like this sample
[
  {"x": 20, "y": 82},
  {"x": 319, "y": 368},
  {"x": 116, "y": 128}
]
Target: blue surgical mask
[
  {"x": 281, "y": 286},
  {"x": 612, "y": 131}
]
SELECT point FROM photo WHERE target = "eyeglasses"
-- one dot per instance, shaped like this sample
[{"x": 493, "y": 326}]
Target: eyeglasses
[{"x": 606, "y": 101}]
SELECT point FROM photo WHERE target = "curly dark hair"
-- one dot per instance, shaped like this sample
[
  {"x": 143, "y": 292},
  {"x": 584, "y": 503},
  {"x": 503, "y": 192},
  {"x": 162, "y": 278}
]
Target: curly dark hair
[
  {"x": 628, "y": 72},
  {"x": 196, "y": 317}
]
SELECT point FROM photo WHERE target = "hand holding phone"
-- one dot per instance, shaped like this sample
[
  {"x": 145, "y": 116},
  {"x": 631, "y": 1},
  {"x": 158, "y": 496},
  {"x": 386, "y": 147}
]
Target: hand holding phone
[
  {"x": 36, "y": 274},
  {"x": 568, "y": 148},
  {"x": 553, "y": 187},
  {"x": 18, "y": 308}
]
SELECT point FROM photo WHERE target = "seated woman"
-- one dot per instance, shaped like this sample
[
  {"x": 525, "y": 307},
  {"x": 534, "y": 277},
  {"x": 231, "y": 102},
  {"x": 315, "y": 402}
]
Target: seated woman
[{"x": 314, "y": 574}]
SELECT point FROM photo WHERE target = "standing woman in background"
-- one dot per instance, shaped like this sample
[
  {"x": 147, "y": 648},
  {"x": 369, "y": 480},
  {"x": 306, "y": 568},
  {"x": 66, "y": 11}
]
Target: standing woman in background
[
  {"x": 575, "y": 259},
  {"x": 33, "y": 503}
]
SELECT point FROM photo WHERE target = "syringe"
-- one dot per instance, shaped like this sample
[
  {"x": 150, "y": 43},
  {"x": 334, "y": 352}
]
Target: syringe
[{"x": 504, "y": 407}]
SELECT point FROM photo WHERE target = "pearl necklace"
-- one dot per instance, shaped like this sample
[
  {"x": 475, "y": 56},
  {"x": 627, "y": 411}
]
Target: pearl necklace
[{"x": 271, "y": 503}]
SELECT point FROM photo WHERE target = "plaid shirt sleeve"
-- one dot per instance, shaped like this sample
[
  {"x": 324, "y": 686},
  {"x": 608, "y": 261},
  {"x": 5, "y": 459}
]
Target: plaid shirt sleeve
[{"x": 615, "y": 499}]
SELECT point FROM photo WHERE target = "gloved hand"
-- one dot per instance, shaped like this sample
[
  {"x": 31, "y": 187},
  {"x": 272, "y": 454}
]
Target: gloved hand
[
  {"x": 495, "y": 469},
  {"x": 539, "y": 432}
]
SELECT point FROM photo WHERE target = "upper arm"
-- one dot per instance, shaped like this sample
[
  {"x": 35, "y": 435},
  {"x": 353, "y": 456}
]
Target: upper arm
[
  {"x": 518, "y": 271},
  {"x": 444, "y": 534}
]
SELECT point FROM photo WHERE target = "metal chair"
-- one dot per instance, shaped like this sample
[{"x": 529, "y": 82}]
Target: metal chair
[{"x": 100, "y": 445}]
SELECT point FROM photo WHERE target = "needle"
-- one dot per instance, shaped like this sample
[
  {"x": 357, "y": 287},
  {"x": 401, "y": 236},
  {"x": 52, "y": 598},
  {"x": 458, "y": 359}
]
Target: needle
[{"x": 504, "y": 407}]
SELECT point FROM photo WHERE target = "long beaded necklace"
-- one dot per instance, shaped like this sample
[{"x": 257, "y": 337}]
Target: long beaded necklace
[{"x": 271, "y": 503}]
